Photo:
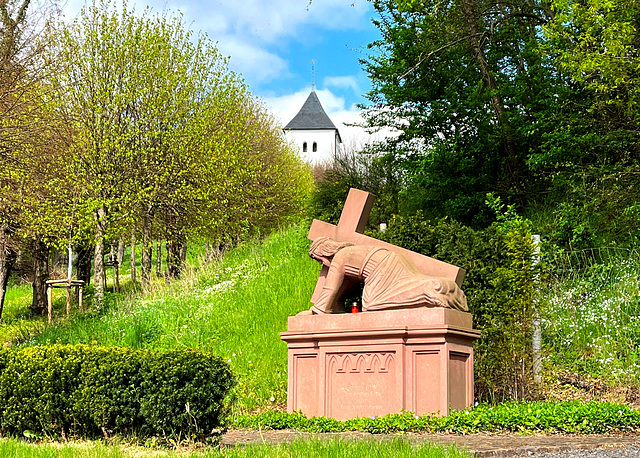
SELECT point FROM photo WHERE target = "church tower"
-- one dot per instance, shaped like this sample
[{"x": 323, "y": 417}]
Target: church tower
[{"x": 312, "y": 131}]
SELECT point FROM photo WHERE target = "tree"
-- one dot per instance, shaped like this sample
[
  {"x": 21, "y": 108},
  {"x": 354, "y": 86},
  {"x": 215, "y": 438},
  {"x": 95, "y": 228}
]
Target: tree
[
  {"x": 29, "y": 142},
  {"x": 590, "y": 152},
  {"x": 534, "y": 100},
  {"x": 243, "y": 173},
  {"x": 356, "y": 166},
  {"x": 461, "y": 81},
  {"x": 95, "y": 91},
  {"x": 162, "y": 132}
]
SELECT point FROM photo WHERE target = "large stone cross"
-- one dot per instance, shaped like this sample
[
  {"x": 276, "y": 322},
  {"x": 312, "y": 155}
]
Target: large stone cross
[{"x": 350, "y": 228}]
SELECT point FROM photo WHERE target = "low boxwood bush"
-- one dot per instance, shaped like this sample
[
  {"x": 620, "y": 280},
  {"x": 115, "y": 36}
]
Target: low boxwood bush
[
  {"x": 91, "y": 391},
  {"x": 528, "y": 417}
]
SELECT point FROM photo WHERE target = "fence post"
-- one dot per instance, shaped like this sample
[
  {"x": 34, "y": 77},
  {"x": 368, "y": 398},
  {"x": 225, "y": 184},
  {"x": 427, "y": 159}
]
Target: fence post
[{"x": 537, "y": 329}]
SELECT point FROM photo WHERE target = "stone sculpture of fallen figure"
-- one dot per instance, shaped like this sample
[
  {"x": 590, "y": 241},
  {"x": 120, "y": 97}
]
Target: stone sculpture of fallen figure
[{"x": 390, "y": 281}]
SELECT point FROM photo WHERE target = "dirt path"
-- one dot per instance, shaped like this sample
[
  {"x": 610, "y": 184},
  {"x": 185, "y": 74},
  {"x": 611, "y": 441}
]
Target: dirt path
[{"x": 482, "y": 445}]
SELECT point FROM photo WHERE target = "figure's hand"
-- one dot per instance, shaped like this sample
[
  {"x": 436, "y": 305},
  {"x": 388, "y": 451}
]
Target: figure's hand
[{"x": 322, "y": 259}]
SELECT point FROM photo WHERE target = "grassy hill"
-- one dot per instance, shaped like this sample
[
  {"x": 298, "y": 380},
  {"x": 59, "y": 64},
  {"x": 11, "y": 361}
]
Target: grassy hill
[{"x": 235, "y": 307}]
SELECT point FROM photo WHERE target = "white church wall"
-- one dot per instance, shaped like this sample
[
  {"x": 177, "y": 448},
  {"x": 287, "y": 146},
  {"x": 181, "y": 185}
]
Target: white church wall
[{"x": 325, "y": 141}]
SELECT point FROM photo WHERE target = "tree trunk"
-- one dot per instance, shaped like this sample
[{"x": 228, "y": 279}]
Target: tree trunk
[
  {"x": 183, "y": 252},
  {"x": 83, "y": 264},
  {"x": 133, "y": 256},
  {"x": 147, "y": 251},
  {"x": 215, "y": 250},
  {"x": 175, "y": 250},
  {"x": 120, "y": 251},
  {"x": 502, "y": 116},
  {"x": 113, "y": 251},
  {"x": 98, "y": 258},
  {"x": 7, "y": 260},
  {"x": 208, "y": 253},
  {"x": 159, "y": 259},
  {"x": 40, "y": 253}
]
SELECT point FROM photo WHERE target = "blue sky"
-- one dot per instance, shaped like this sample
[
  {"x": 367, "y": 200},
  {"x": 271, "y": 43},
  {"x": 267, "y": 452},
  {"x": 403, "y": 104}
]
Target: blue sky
[{"x": 272, "y": 42}]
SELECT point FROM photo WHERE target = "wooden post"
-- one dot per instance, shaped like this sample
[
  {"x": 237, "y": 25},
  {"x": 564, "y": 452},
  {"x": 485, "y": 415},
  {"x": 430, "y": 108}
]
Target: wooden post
[
  {"x": 68, "y": 288},
  {"x": 50, "y": 302},
  {"x": 80, "y": 298},
  {"x": 117, "y": 270},
  {"x": 536, "y": 341}
]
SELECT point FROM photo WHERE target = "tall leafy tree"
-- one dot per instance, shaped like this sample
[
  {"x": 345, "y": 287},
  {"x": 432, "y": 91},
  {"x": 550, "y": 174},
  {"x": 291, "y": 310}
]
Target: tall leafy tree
[
  {"x": 96, "y": 90},
  {"x": 29, "y": 144},
  {"x": 461, "y": 81},
  {"x": 164, "y": 133},
  {"x": 591, "y": 152}
]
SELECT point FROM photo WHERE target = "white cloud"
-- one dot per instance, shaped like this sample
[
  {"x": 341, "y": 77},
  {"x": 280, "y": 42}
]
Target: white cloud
[
  {"x": 253, "y": 32},
  {"x": 270, "y": 20},
  {"x": 255, "y": 63},
  {"x": 266, "y": 20},
  {"x": 257, "y": 33},
  {"x": 343, "y": 82}
]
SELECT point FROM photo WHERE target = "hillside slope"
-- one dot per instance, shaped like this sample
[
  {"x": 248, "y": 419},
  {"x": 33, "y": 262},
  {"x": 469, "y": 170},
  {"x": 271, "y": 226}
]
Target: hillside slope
[{"x": 235, "y": 308}]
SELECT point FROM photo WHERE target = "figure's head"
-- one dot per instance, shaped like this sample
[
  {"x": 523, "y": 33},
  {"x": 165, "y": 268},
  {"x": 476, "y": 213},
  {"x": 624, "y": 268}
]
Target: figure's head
[{"x": 326, "y": 247}]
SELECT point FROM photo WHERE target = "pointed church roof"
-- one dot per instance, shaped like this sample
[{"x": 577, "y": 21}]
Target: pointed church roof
[{"x": 311, "y": 117}]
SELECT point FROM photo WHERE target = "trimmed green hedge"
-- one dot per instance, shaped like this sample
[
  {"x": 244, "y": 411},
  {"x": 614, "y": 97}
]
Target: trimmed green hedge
[
  {"x": 91, "y": 391},
  {"x": 529, "y": 417}
]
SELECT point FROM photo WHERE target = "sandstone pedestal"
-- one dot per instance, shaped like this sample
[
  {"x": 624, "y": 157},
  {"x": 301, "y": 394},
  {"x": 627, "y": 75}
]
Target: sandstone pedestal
[{"x": 375, "y": 363}]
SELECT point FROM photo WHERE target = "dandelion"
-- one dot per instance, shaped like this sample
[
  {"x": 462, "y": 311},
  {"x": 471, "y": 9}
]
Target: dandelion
[{"x": 272, "y": 398}]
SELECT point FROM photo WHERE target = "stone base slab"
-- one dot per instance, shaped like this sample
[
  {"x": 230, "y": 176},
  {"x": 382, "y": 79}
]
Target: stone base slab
[{"x": 375, "y": 363}]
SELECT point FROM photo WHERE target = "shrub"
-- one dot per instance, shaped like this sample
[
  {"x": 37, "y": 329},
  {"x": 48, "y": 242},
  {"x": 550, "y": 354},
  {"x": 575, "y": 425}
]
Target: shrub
[
  {"x": 183, "y": 392},
  {"x": 350, "y": 168},
  {"x": 499, "y": 284},
  {"x": 528, "y": 417},
  {"x": 92, "y": 391}
]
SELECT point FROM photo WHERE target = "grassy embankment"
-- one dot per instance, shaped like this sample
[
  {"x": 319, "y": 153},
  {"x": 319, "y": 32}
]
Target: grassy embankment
[
  {"x": 235, "y": 307},
  {"x": 299, "y": 448}
]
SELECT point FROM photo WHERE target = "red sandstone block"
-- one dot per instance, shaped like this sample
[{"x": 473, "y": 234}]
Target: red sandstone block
[{"x": 371, "y": 364}]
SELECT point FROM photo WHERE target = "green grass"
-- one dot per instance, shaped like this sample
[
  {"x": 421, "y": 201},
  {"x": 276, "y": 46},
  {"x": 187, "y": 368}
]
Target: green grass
[
  {"x": 235, "y": 308},
  {"x": 591, "y": 323},
  {"x": 299, "y": 448},
  {"x": 17, "y": 324}
]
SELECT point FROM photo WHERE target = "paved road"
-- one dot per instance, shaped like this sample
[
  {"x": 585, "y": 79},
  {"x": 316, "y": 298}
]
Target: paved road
[
  {"x": 632, "y": 451},
  {"x": 482, "y": 445}
]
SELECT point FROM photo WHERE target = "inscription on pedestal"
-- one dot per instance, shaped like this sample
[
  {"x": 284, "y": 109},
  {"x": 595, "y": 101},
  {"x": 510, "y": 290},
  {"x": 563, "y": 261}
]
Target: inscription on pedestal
[{"x": 362, "y": 381}]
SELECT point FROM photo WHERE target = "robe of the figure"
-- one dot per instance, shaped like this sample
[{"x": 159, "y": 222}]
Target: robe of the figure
[{"x": 392, "y": 282}]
